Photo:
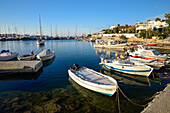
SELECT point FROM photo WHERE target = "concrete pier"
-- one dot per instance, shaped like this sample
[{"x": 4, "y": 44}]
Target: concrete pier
[
  {"x": 161, "y": 103},
  {"x": 20, "y": 66}
]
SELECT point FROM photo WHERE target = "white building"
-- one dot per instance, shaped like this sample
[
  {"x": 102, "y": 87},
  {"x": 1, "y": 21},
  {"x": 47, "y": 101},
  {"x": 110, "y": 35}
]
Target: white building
[
  {"x": 151, "y": 25},
  {"x": 112, "y": 27}
]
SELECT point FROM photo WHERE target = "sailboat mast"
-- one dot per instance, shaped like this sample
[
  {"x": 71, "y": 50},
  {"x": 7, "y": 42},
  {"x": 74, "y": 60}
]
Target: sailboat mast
[
  {"x": 81, "y": 31},
  {"x": 16, "y": 29},
  {"x": 76, "y": 31},
  {"x": 36, "y": 28},
  {"x": 12, "y": 31},
  {"x": 51, "y": 32},
  {"x": 68, "y": 32},
  {"x": 56, "y": 31},
  {"x": 24, "y": 29},
  {"x": 0, "y": 27},
  {"x": 6, "y": 31},
  {"x": 40, "y": 26}
]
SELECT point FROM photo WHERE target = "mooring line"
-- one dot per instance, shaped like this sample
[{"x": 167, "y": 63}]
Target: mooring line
[{"x": 129, "y": 99}]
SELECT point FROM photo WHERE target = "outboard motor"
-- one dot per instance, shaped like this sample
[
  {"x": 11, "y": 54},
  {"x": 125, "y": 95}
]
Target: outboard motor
[{"x": 76, "y": 66}]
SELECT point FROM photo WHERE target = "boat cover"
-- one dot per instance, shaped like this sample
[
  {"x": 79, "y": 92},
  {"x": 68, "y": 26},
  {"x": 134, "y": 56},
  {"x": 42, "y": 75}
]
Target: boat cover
[{"x": 45, "y": 52}]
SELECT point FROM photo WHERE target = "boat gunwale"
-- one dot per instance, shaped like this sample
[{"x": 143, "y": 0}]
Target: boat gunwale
[{"x": 97, "y": 84}]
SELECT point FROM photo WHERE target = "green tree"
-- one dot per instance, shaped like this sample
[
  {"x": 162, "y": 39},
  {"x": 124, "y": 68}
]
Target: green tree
[
  {"x": 115, "y": 30},
  {"x": 157, "y": 19},
  {"x": 123, "y": 37},
  {"x": 148, "y": 20},
  {"x": 149, "y": 34},
  {"x": 126, "y": 25},
  {"x": 142, "y": 34},
  {"x": 167, "y": 16},
  {"x": 155, "y": 33},
  {"x": 160, "y": 35},
  {"x": 167, "y": 30}
]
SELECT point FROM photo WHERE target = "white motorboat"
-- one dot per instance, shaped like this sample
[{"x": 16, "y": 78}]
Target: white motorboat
[
  {"x": 138, "y": 52},
  {"x": 154, "y": 63},
  {"x": 109, "y": 44},
  {"x": 93, "y": 80},
  {"x": 126, "y": 66},
  {"x": 6, "y": 55},
  {"x": 40, "y": 42},
  {"x": 45, "y": 55},
  {"x": 27, "y": 57}
]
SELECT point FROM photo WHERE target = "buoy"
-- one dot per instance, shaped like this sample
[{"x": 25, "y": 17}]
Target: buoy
[
  {"x": 116, "y": 54},
  {"x": 105, "y": 61}
]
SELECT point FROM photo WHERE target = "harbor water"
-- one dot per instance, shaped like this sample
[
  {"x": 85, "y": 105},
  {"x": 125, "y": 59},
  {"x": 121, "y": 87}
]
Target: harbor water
[{"x": 51, "y": 89}]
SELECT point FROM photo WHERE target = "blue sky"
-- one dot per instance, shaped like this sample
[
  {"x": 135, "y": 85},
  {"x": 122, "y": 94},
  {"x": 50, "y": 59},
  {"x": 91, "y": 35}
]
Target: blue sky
[{"x": 93, "y": 15}]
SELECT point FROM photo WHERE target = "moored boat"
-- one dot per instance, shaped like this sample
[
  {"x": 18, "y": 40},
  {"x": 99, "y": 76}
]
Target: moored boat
[
  {"x": 93, "y": 80},
  {"x": 126, "y": 66},
  {"x": 45, "y": 55},
  {"x": 27, "y": 57},
  {"x": 109, "y": 44},
  {"x": 7, "y": 55},
  {"x": 140, "y": 53},
  {"x": 40, "y": 42},
  {"x": 152, "y": 44}
]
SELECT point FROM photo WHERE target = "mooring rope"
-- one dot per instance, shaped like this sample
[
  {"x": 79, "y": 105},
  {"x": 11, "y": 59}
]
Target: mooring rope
[
  {"x": 118, "y": 101},
  {"x": 129, "y": 99}
]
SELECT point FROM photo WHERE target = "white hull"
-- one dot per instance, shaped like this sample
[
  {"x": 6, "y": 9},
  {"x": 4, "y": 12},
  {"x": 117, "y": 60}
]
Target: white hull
[
  {"x": 27, "y": 58},
  {"x": 8, "y": 57},
  {"x": 90, "y": 84},
  {"x": 154, "y": 64},
  {"x": 46, "y": 57},
  {"x": 141, "y": 70},
  {"x": 118, "y": 46},
  {"x": 40, "y": 42}
]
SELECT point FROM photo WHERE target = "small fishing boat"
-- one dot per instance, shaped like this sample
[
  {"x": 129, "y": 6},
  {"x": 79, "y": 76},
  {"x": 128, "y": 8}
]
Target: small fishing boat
[
  {"x": 152, "y": 44},
  {"x": 126, "y": 66},
  {"x": 27, "y": 57},
  {"x": 7, "y": 55},
  {"x": 45, "y": 55},
  {"x": 93, "y": 80},
  {"x": 154, "y": 63},
  {"x": 139, "y": 52},
  {"x": 40, "y": 42},
  {"x": 110, "y": 44}
]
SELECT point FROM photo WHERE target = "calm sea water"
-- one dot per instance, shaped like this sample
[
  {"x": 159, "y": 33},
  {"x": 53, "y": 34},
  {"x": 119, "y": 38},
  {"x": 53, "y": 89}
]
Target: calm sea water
[{"x": 54, "y": 75}]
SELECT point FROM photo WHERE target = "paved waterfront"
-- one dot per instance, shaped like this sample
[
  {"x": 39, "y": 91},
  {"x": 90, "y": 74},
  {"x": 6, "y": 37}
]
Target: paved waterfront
[{"x": 161, "y": 103}]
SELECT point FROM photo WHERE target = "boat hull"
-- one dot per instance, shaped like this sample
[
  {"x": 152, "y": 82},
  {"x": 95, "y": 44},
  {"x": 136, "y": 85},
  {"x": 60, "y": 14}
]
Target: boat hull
[
  {"x": 46, "y": 57},
  {"x": 130, "y": 70},
  {"x": 106, "y": 90},
  {"x": 116, "y": 46},
  {"x": 152, "y": 44},
  {"x": 27, "y": 58},
  {"x": 40, "y": 42},
  {"x": 8, "y": 57}
]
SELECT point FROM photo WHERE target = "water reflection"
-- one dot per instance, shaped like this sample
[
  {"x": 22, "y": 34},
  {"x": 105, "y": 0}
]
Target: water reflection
[
  {"x": 41, "y": 47},
  {"x": 48, "y": 62},
  {"x": 96, "y": 99},
  {"x": 131, "y": 79},
  {"x": 20, "y": 76}
]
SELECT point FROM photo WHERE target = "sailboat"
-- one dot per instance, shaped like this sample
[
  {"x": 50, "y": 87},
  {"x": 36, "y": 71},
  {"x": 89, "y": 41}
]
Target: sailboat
[{"x": 40, "y": 41}]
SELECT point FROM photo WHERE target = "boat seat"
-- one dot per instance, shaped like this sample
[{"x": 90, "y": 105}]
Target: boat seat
[{"x": 95, "y": 79}]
